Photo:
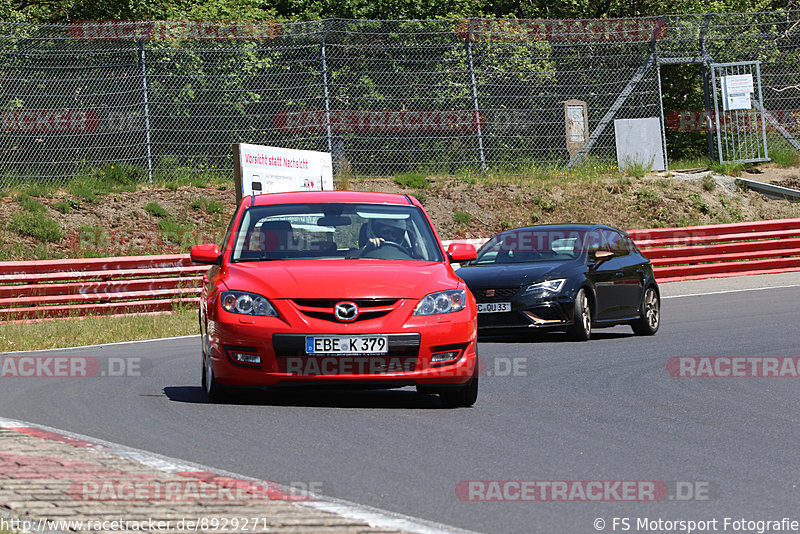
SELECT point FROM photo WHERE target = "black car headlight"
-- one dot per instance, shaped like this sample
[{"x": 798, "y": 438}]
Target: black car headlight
[
  {"x": 449, "y": 301},
  {"x": 548, "y": 288},
  {"x": 247, "y": 304}
]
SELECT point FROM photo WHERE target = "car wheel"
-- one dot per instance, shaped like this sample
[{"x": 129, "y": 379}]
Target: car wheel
[
  {"x": 461, "y": 396},
  {"x": 214, "y": 391},
  {"x": 647, "y": 324},
  {"x": 581, "y": 329}
]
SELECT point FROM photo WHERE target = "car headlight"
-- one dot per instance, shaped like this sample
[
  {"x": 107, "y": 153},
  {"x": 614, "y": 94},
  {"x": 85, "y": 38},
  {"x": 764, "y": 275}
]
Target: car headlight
[
  {"x": 548, "y": 288},
  {"x": 449, "y": 301},
  {"x": 247, "y": 304}
]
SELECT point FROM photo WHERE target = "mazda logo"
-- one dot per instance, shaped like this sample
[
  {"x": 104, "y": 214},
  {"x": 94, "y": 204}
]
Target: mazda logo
[{"x": 346, "y": 311}]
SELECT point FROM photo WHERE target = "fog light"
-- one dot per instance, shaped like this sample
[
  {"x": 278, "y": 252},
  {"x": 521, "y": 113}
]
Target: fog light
[
  {"x": 443, "y": 357},
  {"x": 245, "y": 357}
]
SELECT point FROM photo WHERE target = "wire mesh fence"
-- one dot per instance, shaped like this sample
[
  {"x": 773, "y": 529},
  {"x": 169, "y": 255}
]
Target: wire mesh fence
[{"x": 445, "y": 96}]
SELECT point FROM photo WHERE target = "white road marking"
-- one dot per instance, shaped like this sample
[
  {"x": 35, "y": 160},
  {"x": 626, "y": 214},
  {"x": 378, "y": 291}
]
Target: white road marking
[
  {"x": 728, "y": 291},
  {"x": 105, "y": 344}
]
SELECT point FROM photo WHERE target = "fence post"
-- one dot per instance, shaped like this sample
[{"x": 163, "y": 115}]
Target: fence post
[
  {"x": 324, "y": 60},
  {"x": 143, "y": 68},
  {"x": 661, "y": 96},
  {"x": 481, "y": 154},
  {"x": 706, "y": 85}
]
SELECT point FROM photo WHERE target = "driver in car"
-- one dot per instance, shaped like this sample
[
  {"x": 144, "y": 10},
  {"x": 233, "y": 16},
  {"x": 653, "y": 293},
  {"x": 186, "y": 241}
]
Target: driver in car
[{"x": 387, "y": 231}]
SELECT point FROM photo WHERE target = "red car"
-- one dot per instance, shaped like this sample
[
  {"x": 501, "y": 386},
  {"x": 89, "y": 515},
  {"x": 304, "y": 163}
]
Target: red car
[{"x": 337, "y": 287}]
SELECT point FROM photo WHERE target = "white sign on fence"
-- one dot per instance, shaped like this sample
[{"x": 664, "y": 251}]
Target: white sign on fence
[
  {"x": 736, "y": 91},
  {"x": 276, "y": 170},
  {"x": 639, "y": 143}
]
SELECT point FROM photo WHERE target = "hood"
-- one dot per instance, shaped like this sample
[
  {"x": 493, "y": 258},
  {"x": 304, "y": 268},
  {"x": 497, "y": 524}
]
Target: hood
[
  {"x": 514, "y": 274},
  {"x": 335, "y": 278}
]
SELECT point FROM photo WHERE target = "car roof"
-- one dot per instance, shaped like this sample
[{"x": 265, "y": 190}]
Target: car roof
[
  {"x": 303, "y": 197},
  {"x": 570, "y": 226}
]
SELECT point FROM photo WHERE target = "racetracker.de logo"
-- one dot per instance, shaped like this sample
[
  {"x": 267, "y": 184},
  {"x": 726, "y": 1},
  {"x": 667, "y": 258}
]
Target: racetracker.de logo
[
  {"x": 734, "y": 366},
  {"x": 173, "y": 30},
  {"x": 216, "y": 489},
  {"x": 562, "y": 490},
  {"x": 20, "y": 366}
]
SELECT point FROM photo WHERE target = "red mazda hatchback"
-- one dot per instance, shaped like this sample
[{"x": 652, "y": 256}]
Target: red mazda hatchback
[{"x": 337, "y": 287}]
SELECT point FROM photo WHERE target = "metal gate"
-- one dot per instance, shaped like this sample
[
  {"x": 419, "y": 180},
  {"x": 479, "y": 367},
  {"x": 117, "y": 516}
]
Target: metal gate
[{"x": 739, "y": 118}]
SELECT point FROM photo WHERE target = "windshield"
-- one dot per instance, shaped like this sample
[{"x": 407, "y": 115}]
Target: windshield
[
  {"x": 334, "y": 230},
  {"x": 532, "y": 245}
]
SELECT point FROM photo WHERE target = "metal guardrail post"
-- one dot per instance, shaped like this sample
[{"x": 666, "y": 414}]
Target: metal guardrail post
[
  {"x": 143, "y": 68},
  {"x": 473, "y": 85}
]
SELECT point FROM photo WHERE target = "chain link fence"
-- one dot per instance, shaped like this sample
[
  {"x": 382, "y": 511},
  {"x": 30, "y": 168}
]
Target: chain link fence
[{"x": 445, "y": 96}]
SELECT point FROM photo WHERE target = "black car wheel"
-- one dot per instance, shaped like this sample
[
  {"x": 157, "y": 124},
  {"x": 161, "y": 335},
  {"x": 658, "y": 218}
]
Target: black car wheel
[
  {"x": 581, "y": 329},
  {"x": 461, "y": 396},
  {"x": 214, "y": 391},
  {"x": 647, "y": 324}
]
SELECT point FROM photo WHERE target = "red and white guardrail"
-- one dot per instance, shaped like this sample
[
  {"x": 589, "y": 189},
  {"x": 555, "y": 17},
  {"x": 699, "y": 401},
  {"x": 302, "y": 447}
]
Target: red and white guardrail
[{"x": 32, "y": 290}]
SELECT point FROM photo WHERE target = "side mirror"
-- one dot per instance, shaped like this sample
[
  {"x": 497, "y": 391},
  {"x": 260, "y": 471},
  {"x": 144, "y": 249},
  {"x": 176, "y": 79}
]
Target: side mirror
[
  {"x": 598, "y": 257},
  {"x": 208, "y": 254},
  {"x": 461, "y": 252},
  {"x": 603, "y": 255}
]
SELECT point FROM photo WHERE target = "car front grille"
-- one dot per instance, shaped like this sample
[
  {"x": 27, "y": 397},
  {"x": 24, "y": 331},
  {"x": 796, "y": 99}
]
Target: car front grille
[
  {"x": 502, "y": 320},
  {"x": 323, "y": 308},
  {"x": 501, "y": 294}
]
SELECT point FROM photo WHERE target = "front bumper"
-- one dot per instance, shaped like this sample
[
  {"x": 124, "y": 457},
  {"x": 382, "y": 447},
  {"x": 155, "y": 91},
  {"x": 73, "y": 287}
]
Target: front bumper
[
  {"x": 284, "y": 361},
  {"x": 542, "y": 314}
]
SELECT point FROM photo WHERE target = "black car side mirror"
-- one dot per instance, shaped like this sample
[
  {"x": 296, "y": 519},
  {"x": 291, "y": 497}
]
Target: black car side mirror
[{"x": 599, "y": 257}]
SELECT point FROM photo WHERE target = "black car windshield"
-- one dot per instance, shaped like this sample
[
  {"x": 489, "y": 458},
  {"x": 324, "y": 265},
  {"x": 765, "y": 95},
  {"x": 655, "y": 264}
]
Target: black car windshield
[
  {"x": 532, "y": 245},
  {"x": 334, "y": 230}
]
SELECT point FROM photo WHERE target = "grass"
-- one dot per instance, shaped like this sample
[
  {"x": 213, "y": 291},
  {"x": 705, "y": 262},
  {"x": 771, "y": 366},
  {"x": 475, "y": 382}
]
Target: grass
[
  {"x": 156, "y": 210},
  {"x": 637, "y": 169},
  {"x": 690, "y": 163},
  {"x": 209, "y": 206},
  {"x": 29, "y": 204},
  {"x": 462, "y": 218},
  {"x": 414, "y": 180},
  {"x": 94, "y": 330},
  {"x": 728, "y": 169},
  {"x": 698, "y": 203},
  {"x": 36, "y": 225},
  {"x": 784, "y": 157},
  {"x": 545, "y": 203},
  {"x": 708, "y": 183}
]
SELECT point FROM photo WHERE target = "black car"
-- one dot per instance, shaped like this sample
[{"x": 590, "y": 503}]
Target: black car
[{"x": 572, "y": 277}]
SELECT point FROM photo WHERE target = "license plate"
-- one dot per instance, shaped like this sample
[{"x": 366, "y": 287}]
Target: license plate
[
  {"x": 494, "y": 307},
  {"x": 347, "y": 344}
]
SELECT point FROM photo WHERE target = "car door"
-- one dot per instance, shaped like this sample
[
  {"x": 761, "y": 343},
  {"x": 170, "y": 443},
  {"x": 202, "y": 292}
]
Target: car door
[
  {"x": 626, "y": 290},
  {"x": 601, "y": 278}
]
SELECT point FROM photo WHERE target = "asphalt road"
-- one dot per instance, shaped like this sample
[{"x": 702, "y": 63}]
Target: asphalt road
[{"x": 603, "y": 410}]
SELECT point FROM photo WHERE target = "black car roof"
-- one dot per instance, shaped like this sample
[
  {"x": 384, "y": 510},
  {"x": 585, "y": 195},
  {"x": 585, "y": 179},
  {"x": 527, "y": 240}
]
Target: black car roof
[{"x": 568, "y": 226}]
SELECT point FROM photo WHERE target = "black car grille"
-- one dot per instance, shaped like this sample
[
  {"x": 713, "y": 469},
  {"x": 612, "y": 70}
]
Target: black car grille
[
  {"x": 323, "y": 308},
  {"x": 330, "y": 303},
  {"x": 502, "y": 320},
  {"x": 547, "y": 314},
  {"x": 503, "y": 294}
]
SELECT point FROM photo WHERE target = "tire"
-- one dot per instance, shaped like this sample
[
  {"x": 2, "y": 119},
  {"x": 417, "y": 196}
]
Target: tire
[
  {"x": 461, "y": 396},
  {"x": 581, "y": 328},
  {"x": 649, "y": 321},
  {"x": 214, "y": 391}
]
